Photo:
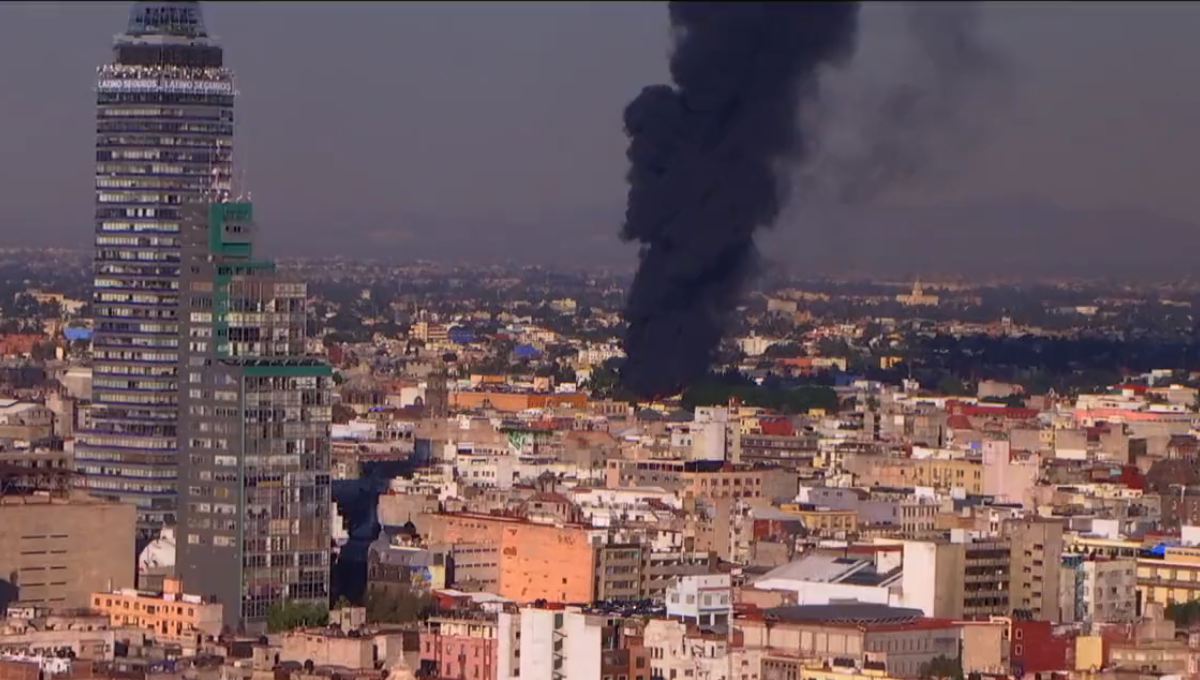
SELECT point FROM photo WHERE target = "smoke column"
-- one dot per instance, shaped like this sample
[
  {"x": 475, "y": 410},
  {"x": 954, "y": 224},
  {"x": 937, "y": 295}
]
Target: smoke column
[
  {"x": 707, "y": 168},
  {"x": 918, "y": 125}
]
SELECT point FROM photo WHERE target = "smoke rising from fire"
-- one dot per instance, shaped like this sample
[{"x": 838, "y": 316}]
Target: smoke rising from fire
[
  {"x": 707, "y": 159},
  {"x": 712, "y": 155},
  {"x": 922, "y": 121}
]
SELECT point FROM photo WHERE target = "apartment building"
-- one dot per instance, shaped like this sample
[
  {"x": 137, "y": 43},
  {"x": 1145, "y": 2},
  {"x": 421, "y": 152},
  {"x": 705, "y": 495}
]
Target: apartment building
[
  {"x": 795, "y": 451},
  {"x": 25, "y": 420},
  {"x": 917, "y": 515},
  {"x": 1098, "y": 589},
  {"x": 712, "y": 480},
  {"x": 823, "y": 521},
  {"x": 30, "y": 631},
  {"x": 662, "y": 568},
  {"x": 898, "y": 638},
  {"x": 926, "y": 426},
  {"x": 938, "y": 473},
  {"x": 550, "y": 642},
  {"x": 329, "y": 646},
  {"x": 463, "y": 644},
  {"x": 701, "y": 600},
  {"x": 959, "y": 578},
  {"x": 754, "y": 485},
  {"x": 1169, "y": 575},
  {"x": 1036, "y": 548},
  {"x": 168, "y": 616},
  {"x": 680, "y": 650},
  {"x": 663, "y": 473},
  {"x": 781, "y": 668},
  {"x": 567, "y": 643},
  {"x": 619, "y": 572}
]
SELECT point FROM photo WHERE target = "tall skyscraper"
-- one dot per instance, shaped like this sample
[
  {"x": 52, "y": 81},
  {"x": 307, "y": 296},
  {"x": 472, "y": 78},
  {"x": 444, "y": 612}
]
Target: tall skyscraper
[
  {"x": 164, "y": 141},
  {"x": 254, "y": 488}
]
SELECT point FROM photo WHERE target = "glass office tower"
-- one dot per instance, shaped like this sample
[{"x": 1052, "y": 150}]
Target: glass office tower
[{"x": 164, "y": 141}]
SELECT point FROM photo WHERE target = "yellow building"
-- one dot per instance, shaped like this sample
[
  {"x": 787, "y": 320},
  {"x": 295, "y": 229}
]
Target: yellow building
[
  {"x": 1089, "y": 652},
  {"x": 846, "y": 673},
  {"x": 1173, "y": 577},
  {"x": 169, "y": 616},
  {"x": 789, "y": 667},
  {"x": 939, "y": 473},
  {"x": 823, "y": 521}
]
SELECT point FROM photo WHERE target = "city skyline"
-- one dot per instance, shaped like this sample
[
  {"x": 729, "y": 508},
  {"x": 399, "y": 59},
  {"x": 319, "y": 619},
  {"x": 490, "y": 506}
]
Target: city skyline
[
  {"x": 450, "y": 190},
  {"x": 216, "y": 464},
  {"x": 208, "y": 413}
]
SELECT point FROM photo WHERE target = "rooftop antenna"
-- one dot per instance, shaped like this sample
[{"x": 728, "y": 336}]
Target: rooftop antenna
[
  {"x": 246, "y": 181},
  {"x": 240, "y": 184},
  {"x": 211, "y": 193}
]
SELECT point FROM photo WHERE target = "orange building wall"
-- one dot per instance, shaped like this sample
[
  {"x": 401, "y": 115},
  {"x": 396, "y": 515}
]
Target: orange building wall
[
  {"x": 167, "y": 616},
  {"x": 18, "y": 343},
  {"x": 515, "y": 401},
  {"x": 537, "y": 561}
]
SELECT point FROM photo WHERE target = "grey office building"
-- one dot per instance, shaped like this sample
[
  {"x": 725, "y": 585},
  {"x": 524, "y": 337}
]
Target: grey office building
[
  {"x": 164, "y": 141},
  {"x": 254, "y": 489}
]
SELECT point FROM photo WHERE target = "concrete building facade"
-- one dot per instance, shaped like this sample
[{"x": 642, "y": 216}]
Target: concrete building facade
[
  {"x": 1034, "y": 565},
  {"x": 255, "y": 504},
  {"x": 55, "y": 552},
  {"x": 537, "y": 561},
  {"x": 169, "y": 616},
  {"x": 164, "y": 140}
]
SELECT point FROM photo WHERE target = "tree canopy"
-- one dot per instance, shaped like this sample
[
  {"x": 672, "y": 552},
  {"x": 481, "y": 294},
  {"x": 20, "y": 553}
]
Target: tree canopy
[
  {"x": 289, "y": 614},
  {"x": 719, "y": 389},
  {"x": 388, "y": 606},
  {"x": 940, "y": 667}
]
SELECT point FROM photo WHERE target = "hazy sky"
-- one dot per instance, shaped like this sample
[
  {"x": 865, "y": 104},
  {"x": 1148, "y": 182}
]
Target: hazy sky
[{"x": 495, "y": 128}]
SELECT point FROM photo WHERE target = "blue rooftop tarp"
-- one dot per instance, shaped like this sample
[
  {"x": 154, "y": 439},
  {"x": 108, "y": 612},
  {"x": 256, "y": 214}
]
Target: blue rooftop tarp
[
  {"x": 74, "y": 333},
  {"x": 526, "y": 351},
  {"x": 461, "y": 335}
]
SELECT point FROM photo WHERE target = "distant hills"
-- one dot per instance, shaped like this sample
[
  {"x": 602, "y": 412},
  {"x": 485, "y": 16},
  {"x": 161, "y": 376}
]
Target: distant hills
[
  {"x": 996, "y": 239},
  {"x": 1029, "y": 239}
]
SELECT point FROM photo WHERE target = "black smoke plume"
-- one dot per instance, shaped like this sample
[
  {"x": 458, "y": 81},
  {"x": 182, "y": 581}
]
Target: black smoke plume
[
  {"x": 708, "y": 157},
  {"x": 923, "y": 122}
]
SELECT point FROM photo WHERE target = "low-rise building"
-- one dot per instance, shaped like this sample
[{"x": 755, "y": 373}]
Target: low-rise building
[
  {"x": 701, "y": 600},
  {"x": 1098, "y": 589},
  {"x": 56, "y": 550},
  {"x": 168, "y": 616}
]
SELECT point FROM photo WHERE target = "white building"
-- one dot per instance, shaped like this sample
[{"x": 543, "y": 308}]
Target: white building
[
  {"x": 755, "y": 345},
  {"x": 1102, "y": 590},
  {"x": 710, "y": 435},
  {"x": 550, "y": 644},
  {"x": 485, "y": 468},
  {"x": 824, "y": 578},
  {"x": 704, "y": 600},
  {"x": 602, "y": 507},
  {"x": 676, "y": 652}
]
